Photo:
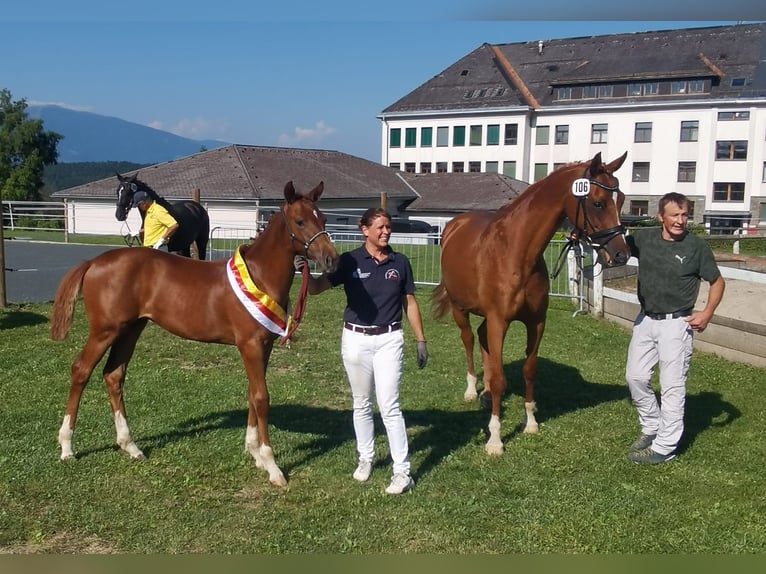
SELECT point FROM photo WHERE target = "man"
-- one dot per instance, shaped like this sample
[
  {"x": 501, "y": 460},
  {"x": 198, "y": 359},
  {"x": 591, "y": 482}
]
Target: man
[
  {"x": 158, "y": 224},
  {"x": 671, "y": 262}
]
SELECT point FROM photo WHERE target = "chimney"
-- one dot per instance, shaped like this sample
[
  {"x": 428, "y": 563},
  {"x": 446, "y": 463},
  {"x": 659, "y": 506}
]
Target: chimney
[{"x": 540, "y": 47}]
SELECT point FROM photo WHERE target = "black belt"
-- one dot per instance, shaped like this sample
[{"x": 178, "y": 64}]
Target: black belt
[
  {"x": 372, "y": 330},
  {"x": 676, "y": 315}
]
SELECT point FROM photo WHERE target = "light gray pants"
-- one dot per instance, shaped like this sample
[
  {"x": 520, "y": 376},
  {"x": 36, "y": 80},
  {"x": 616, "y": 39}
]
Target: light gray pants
[
  {"x": 667, "y": 343},
  {"x": 373, "y": 363}
]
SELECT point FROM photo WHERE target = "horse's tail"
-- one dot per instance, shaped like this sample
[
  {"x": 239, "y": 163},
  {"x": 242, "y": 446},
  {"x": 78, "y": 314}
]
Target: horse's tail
[
  {"x": 440, "y": 302},
  {"x": 63, "y": 304}
]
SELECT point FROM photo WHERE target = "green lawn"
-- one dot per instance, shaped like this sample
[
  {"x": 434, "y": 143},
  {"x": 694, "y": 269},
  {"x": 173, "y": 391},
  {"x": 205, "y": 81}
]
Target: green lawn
[{"x": 568, "y": 489}]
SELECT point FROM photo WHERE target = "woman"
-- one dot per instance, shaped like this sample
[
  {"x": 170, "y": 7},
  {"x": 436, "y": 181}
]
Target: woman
[{"x": 379, "y": 285}]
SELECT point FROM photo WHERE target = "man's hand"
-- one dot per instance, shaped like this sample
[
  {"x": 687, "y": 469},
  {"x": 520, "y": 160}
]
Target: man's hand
[
  {"x": 299, "y": 262},
  {"x": 160, "y": 243},
  {"x": 422, "y": 354}
]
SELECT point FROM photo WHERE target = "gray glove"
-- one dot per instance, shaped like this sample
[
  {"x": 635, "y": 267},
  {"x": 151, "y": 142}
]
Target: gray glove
[
  {"x": 299, "y": 262},
  {"x": 422, "y": 354}
]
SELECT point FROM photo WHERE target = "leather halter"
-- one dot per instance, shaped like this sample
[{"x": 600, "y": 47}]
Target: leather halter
[{"x": 599, "y": 239}]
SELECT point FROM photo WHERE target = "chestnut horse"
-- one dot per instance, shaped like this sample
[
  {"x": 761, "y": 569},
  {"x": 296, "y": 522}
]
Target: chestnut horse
[
  {"x": 492, "y": 266},
  {"x": 124, "y": 288}
]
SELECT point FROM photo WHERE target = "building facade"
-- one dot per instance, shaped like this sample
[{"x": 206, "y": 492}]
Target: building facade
[{"x": 689, "y": 107}]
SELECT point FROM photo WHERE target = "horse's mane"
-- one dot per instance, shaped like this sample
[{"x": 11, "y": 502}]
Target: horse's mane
[
  {"x": 532, "y": 188},
  {"x": 154, "y": 195}
]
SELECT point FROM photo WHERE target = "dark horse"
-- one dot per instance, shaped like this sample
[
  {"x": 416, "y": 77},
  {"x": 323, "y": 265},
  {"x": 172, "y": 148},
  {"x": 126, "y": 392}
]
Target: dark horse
[
  {"x": 492, "y": 266},
  {"x": 122, "y": 289},
  {"x": 192, "y": 218}
]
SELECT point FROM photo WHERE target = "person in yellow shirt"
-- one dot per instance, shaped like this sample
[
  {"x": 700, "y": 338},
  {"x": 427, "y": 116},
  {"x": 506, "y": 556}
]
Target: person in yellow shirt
[{"x": 158, "y": 224}]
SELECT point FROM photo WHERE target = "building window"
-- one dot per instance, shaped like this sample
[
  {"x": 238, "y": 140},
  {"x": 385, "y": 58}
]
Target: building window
[
  {"x": 493, "y": 134},
  {"x": 643, "y": 132},
  {"x": 736, "y": 149},
  {"x": 634, "y": 90},
  {"x": 475, "y": 135},
  {"x": 442, "y": 136},
  {"x": 696, "y": 86},
  {"x": 562, "y": 134},
  {"x": 737, "y": 82},
  {"x": 678, "y": 87},
  {"x": 425, "y": 167},
  {"x": 541, "y": 170},
  {"x": 557, "y": 165},
  {"x": 542, "y": 134},
  {"x": 426, "y": 137},
  {"x": 763, "y": 175},
  {"x": 727, "y": 116},
  {"x": 396, "y": 138},
  {"x": 474, "y": 166},
  {"x": 409, "y": 167},
  {"x": 458, "y": 136},
  {"x": 564, "y": 94},
  {"x": 598, "y": 133},
  {"x": 640, "y": 171},
  {"x": 457, "y": 167},
  {"x": 690, "y": 209},
  {"x": 639, "y": 207},
  {"x": 395, "y": 165},
  {"x": 509, "y": 168},
  {"x": 762, "y": 214},
  {"x": 441, "y": 167},
  {"x": 651, "y": 88},
  {"x": 687, "y": 170},
  {"x": 511, "y": 134},
  {"x": 690, "y": 131},
  {"x": 605, "y": 91},
  {"x": 492, "y": 167},
  {"x": 589, "y": 92},
  {"x": 724, "y": 191},
  {"x": 410, "y": 137}
]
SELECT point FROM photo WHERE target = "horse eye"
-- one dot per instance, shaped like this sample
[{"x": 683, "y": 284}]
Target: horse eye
[
  {"x": 598, "y": 205},
  {"x": 299, "y": 222}
]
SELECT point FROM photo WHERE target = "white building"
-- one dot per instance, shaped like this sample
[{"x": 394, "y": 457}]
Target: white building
[{"x": 689, "y": 107}]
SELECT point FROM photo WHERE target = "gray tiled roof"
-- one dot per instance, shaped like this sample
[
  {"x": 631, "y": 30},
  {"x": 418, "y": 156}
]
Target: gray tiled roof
[
  {"x": 736, "y": 51},
  {"x": 239, "y": 172},
  {"x": 458, "y": 192}
]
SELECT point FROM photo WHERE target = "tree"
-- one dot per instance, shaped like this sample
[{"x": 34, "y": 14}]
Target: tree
[{"x": 25, "y": 149}]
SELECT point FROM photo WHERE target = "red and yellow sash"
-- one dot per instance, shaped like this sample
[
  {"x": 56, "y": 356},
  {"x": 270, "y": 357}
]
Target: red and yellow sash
[{"x": 262, "y": 307}]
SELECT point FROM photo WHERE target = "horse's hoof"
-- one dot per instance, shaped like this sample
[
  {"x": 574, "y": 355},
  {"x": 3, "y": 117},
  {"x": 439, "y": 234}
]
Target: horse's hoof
[
  {"x": 485, "y": 400},
  {"x": 66, "y": 457},
  {"x": 494, "y": 449},
  {"x": 470, "y": 396},
  {"x": 140, "y": 456},
  {"x": 279, "y": 480},
  {"x": 531, "y": 429}
]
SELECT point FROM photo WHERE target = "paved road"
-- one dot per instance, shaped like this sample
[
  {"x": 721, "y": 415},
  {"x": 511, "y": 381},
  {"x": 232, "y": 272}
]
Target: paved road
[{"x": 33, "y": 270}]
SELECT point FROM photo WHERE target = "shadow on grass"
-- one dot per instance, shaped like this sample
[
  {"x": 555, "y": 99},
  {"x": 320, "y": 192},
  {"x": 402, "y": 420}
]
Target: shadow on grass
[
  {"x": 13, "y": 319},
  {"x": 441, "y": 431}
]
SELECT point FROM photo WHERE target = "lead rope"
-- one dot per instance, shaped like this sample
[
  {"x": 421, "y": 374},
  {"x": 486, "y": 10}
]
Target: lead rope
[{"x": 300, "y": 305}]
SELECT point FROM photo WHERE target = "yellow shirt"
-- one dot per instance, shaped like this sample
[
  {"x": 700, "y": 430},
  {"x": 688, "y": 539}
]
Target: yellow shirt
[{"x": 156, "y": 223}]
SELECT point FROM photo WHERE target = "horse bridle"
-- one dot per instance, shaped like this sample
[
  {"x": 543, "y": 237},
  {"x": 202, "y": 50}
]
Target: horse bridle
[
  {"x": 293, "y": 237},
  {"x": 595, "y": 240}
]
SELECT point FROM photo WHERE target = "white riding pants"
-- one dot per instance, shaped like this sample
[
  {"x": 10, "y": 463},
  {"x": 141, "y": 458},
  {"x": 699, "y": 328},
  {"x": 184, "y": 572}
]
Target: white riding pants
[
  {"x": 374, "y": 362},
  {"x": 669, "y": 343}
]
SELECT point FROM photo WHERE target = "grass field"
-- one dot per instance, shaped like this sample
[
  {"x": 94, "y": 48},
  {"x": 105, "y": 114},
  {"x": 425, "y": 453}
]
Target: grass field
[{"x": 568, "y": 489}]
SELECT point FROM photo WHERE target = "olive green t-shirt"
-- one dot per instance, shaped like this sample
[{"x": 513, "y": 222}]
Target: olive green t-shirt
[{"x": 669, "y": 272}]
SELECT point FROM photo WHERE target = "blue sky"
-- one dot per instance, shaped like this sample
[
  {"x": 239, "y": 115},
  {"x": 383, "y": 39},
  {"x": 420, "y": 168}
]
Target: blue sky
[{"x": 300, "y": 74}]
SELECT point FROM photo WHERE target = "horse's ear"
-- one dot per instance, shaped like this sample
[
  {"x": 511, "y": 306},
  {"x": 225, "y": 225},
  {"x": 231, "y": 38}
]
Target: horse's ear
[
  {"x": 316, "y": 193},
  {"x": 118, "y": 176},
  {"x": 290, "y": 194},
  {"x": 617, "y": 163},
  {"x": 595, "y": 164},
  {"x": 135, "y": 177}
]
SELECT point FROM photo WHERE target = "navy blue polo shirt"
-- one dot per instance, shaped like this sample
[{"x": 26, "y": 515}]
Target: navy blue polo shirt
[{"x": 374, "y": 291}]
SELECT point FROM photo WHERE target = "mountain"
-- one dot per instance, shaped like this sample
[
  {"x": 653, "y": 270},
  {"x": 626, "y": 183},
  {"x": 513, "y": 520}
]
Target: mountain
[{"x": 92, "y": 137}]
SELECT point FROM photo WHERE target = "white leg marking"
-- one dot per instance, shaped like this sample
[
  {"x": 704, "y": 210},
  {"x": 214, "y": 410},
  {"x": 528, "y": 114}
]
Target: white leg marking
[
  {"x": 470, "y": 389},
  {"x": 251, "y": 445},
  {"x": 494, "y": 445},
  {"x": 124, "y": 440},
  {"x": 65, "y": 439},
  {"x": 531, "y": 423},
  {"x": 275, "y": 474}
]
